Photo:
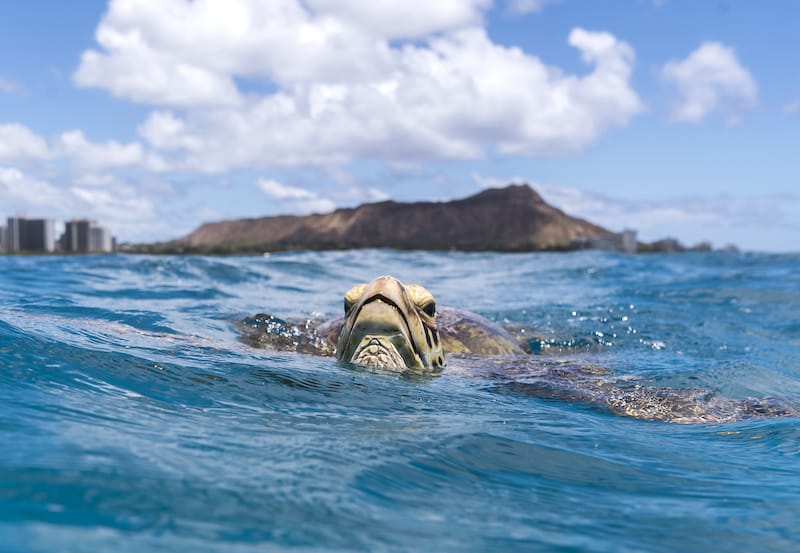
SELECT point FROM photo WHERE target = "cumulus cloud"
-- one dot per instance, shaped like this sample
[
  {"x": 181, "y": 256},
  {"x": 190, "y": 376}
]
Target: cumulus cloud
[
  {"x": 18, "y": 142},
  {"x": 343, "y": 82},
  {"x": 455, "y": 98},
  {"x": 186, "y": 54},
  {"x": 153, "y": 66},
  {"x": 134, "y": 208},
  {"x": 294, "y": 198},
  {"x": 709, "y": 80},
  {"x": 73, "y": 144},
  {"x": 102, "y": 197},
  {"x": 24, "y": 192},
  {"x": 165, "y": 131},
  {"x": 69, "y": 177},
  {"x": 119, "y": 204},
  {"x": 397, "y": 19}
]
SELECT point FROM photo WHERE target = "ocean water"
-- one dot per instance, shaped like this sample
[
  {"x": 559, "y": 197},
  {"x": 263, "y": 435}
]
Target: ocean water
[{"x": 134, "y": 418}]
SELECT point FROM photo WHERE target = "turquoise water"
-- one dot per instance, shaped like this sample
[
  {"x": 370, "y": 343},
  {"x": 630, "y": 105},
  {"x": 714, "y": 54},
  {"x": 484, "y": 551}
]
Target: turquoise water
[{"x": 133, "y": 418}]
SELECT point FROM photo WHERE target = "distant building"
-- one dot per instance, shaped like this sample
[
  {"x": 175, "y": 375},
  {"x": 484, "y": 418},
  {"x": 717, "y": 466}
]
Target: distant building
[
  {"x": 624, "y": 241},
  {"x": 29, "y": 235},
  {"x": 100, "y": 240},
  {"x": 85, "y": 236},
  {"x": 76, "y": 237},
  {"x": 630, "y": 242},
  {"x": 12, "y": 234},
  {"x": 667, "y": 245},
  {"x": 2, "y": 239}
]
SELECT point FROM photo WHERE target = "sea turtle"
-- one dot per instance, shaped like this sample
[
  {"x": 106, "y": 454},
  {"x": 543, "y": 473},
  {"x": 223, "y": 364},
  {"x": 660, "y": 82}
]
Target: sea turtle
[{"x": 391, "y": 326}]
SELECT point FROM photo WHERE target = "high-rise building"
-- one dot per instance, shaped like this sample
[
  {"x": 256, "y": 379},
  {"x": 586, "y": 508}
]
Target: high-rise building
[
  {"x": 84, "y": 236},
  {"x": 12, "y": 234},
  {"x": 76, "y": 236},
  {"x": 38, "y": 235},
  {"x": 30, "y": 235},
  {"x": 99, "y": 239}
]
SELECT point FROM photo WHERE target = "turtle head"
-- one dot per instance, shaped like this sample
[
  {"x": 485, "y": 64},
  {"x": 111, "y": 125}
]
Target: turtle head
[{"x": 390, "y": 325}]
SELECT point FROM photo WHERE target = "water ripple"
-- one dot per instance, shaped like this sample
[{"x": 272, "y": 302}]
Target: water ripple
[{"x": 133, "y": 418}]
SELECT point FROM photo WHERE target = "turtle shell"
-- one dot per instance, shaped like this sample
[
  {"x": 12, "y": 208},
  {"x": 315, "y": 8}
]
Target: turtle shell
[{"x": 466, "y": 332}]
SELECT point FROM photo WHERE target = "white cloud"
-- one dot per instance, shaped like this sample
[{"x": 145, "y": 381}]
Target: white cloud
[
  {"x": 339, "y": 86},
  {"x": 103, "y": 197},
  {"x": 73, "y": 145},
  {"x": 178, "y": 53},
  {"x": 18, "y": 142},
  {"x": 132, "y": 208},
  {"x": 711, "y": 80},
  {"x": 395, "y": 19},
  {"x": 294, "y": 198},
  {"x": 376, "y": 195},
  {"x": 142, "y": 62},
  {"x": 75, "y": 184},
  {"x": 275, "y": 189},
  {"x": 23, "y": 192},
  {"x": 116, "y": 205},
  {"x": 450, "y": 99},
  {"x": 163, "y": 130}
]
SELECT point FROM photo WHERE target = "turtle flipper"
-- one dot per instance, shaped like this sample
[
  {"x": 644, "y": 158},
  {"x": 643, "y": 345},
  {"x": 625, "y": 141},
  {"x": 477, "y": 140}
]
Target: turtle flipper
[{"x": 565, "y": 380}]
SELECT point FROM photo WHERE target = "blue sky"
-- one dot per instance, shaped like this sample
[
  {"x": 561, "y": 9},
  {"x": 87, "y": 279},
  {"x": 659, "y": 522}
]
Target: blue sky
[{"x": 677, "y": 118}]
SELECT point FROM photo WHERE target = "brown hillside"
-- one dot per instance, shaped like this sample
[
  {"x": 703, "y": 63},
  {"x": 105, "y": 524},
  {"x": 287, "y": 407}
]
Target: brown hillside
[{"x": 514, "y": 218}]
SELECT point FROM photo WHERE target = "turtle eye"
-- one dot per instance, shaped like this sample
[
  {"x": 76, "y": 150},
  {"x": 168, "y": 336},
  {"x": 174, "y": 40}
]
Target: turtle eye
[{"x": 422, "y": 298}]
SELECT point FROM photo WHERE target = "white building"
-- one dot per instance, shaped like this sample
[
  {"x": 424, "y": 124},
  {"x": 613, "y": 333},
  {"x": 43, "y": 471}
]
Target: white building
[{"x": 100, "y": 239}]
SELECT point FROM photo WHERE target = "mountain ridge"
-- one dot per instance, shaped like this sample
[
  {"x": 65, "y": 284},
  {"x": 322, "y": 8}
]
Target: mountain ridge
[{"x": 514, "y": 218}]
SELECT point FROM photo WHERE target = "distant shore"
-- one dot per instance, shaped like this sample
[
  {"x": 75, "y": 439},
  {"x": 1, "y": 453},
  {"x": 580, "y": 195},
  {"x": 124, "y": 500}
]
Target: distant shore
[{"x": 511, "y": 219}]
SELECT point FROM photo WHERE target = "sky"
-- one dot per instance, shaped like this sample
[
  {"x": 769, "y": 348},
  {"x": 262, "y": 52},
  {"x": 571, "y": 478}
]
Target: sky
[{"x": 675, "y": 118}]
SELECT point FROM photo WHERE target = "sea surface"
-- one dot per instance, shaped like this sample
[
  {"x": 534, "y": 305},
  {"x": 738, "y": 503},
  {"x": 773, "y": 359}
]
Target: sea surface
[{"x": 134, "y": 418}]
